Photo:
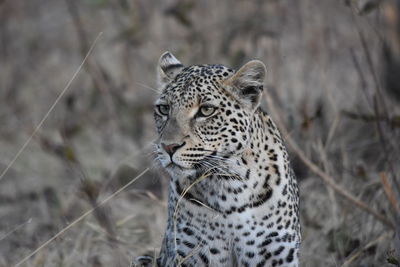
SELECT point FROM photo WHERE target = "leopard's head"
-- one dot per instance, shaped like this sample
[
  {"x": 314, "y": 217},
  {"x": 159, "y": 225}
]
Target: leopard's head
[{"x": 203, "y": 114}]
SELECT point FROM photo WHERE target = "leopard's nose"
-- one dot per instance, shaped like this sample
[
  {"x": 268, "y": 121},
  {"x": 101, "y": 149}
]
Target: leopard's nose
[{"x": 172, "y": 148}]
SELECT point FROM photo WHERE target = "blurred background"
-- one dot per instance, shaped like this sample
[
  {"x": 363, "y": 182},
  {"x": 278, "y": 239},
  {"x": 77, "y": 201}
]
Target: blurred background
[{"x": 333, "y": 80}]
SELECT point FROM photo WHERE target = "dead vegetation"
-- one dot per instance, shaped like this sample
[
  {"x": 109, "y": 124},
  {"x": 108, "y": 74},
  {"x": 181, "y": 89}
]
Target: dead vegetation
[{"x": 71, "y": 197}]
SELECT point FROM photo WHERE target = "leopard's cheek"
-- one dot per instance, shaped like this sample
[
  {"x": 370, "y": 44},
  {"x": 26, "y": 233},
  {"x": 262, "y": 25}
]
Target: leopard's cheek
[{"x": 208, "y": 138}]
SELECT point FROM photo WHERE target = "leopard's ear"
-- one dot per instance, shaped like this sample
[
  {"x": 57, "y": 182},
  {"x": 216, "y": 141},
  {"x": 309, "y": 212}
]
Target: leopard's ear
[
  {"x": 168, "y": 68},
  {"x": 247, "y": 83}
]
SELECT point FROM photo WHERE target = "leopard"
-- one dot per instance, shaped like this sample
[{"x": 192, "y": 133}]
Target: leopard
[{"x": 233, "y": 198}]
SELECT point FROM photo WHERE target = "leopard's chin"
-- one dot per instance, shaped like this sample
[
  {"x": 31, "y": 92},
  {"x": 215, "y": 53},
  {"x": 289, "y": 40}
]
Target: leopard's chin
[{"x": 177, "y": 169}]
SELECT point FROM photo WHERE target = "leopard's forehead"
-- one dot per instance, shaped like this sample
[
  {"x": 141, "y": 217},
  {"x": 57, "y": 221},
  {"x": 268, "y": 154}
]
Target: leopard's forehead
[{"x": 195, "y": 83}]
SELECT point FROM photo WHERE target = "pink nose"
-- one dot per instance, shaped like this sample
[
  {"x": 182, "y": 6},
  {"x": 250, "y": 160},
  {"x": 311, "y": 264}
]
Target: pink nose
[{"x": 172, "y": 148}]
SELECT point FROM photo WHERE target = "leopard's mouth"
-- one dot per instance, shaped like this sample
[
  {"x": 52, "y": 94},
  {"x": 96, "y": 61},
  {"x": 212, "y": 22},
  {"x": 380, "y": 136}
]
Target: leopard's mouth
[
  {"x": 195, "y": 160},
  {"x": 173, "y": 165}
]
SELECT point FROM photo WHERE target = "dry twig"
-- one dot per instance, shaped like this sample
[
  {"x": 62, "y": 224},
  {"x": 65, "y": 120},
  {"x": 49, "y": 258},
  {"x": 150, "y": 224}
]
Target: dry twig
[
  {"x": 389, "y": 193},
  {"x": 51, "y": 108},
  {"x": 320, "y": 173},
  {"x": 101, "y": 203},
  {"x": 371, "y": 244}
]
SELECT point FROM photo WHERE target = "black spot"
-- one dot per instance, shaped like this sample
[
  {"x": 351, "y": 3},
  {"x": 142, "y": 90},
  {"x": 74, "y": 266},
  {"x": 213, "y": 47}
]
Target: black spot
[
  {"x": 250, "y": 254},
  {"x": 250, "y": 242},
  {"x": 181, "y": 253},
  {"x": 273, "y": 234},
  {"x": 262, "y": 198},
  {"x": 188, "y": 231},
  {"x": 262, "y": 252},
  {"x": 265, "y": 243},
  {"x": 248, "y": 174},
  {"x": 188, "y": 244},
  {"x": 260, "y": 233},
  {"x": 289, "y": 257},
  {"x": 279, "y": 250},
  {"x": 214, "y": 251},
  {"x": 204, "y": 259},
  {"x": 242, "y": 208},
  {"x": 287, "y": 224}
]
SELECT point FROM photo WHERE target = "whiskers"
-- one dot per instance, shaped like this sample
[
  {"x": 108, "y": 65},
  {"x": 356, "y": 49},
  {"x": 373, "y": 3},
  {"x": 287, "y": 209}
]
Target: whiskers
[
  {"x": 147, "y": 87},
  {"x": 220, "y": 166},
  {"x": 215, "y": 164}
]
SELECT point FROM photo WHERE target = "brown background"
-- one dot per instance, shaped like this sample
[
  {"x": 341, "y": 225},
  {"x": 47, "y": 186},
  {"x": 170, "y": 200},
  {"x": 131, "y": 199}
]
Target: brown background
[{"x": 333, "y": 73}]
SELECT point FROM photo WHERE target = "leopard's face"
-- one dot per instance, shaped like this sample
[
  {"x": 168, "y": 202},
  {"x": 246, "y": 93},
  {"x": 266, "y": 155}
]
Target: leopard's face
[
  {"x": 196, "y": 112},
  {"x": 200, "y": 119}
]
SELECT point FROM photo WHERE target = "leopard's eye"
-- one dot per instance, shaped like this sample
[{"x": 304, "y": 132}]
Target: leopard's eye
[
  {"x": 206, "y": 111},
  {"x": 163, "y": 110}
]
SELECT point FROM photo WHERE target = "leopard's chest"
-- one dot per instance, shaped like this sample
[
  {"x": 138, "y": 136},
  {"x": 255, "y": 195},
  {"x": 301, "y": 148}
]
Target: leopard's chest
[{"x": 223, "y": 240}]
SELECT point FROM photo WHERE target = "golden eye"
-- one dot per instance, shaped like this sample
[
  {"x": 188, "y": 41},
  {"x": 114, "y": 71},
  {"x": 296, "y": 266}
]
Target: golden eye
[
  {"x": 163, "y": 109},
  {"x": 206, "y": 111}
]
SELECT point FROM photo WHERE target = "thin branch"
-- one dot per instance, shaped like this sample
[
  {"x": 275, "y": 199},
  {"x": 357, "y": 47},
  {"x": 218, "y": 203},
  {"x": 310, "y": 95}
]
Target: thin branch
[
  {"x": 379, "y": 106},
  {"x": 371, "y": 244},
  {"x": 386, "y": 152},
  {"x": 51, "y": 108},
  {"x": 97, "y": 72},
  {"x": 101, "y": 203},
  {"x": 320, "y": 173},
  {"x": 389, "y": 193},
  {"x": 15, "y": 229},
  {"x": 394, "y": 121},
  {"x": 371, "y": 67}
]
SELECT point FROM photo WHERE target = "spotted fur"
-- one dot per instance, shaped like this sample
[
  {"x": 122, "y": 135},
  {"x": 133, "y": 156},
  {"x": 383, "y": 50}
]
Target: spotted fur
[{"x": 233, "y": 198}]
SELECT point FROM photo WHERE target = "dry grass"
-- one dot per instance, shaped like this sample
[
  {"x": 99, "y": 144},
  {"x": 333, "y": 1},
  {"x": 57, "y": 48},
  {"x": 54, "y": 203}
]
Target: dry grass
[
  {"x": 329, "y": 69},
  {"x": 204, "y": 176}
]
